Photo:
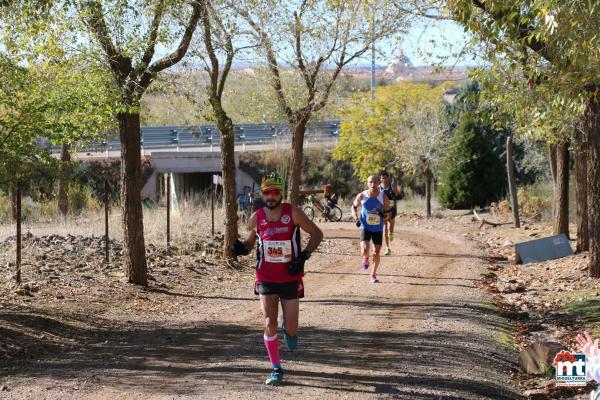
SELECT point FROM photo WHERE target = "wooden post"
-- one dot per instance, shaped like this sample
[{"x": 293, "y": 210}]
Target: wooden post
[
  {"x": 512, "y": 186},
  {"x": 106, "y": 239},
  {"x": 168, "y": 211},
  {"x": 428, "y": 179},
  {"x": 18, "y": 212},
  {"x": 212, "y": 210}
]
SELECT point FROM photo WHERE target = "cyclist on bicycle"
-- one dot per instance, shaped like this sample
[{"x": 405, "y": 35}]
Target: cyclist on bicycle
[{"x": 330, "y": 202}]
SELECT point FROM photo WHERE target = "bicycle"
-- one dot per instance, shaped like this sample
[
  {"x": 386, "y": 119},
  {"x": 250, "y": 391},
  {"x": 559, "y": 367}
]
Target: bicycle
[{"x": 331, "y": 213}]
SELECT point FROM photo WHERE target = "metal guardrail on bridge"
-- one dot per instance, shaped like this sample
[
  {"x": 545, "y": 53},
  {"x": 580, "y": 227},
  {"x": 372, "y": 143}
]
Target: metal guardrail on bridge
[{"x": 158, "y": 137}]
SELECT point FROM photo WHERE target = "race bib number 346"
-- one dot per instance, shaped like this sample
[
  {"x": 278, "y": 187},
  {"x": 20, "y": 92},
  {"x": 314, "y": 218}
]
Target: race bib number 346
[
  {"x": 278, "y": 251},
  {"x": 373, "y": 219}
]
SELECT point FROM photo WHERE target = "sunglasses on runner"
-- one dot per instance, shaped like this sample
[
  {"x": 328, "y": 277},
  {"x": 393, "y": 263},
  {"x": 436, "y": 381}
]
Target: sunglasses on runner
[{"x": 271, "y": 192}]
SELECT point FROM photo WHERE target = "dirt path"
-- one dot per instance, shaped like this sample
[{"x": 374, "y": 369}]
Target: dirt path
[{"x": 424, "y": 332}]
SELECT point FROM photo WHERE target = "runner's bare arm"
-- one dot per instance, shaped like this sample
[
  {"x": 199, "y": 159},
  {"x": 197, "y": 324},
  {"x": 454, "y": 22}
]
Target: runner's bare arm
[
  {"x": 386, "y": 204},
  {"x": 251, "y": 232},
  {"x": 396, "y": 189},
  {"x": 316, "y": 235},
  {"x": 355, "y": 205}
]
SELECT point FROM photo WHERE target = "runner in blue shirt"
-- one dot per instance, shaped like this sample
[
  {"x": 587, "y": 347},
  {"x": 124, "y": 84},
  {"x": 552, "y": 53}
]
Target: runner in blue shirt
[{"x": 375, "y": 209}]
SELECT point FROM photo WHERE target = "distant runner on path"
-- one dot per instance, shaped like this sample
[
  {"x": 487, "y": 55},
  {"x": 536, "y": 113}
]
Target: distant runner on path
[
  {"x": 375, "y": 209},
  {"x": 280, "y": 265},
  {"x": 393, "y": 194}
]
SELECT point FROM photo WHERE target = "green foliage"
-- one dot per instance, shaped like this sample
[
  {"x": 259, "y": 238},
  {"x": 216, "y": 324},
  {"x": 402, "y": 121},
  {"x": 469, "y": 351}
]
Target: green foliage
[
  {"x": 398, "y": 130},
  {"x": 319, "y": 169},
  {"x": 536, "y": 112},
  {"x": 560, "y": 32},
  {"x": 498, "y": 122},
  {"x": 82, "y": 198},
  {"x": 544, "y": 56},
  {"x": 472, "y": 174},
  {"x": 23, "y": 116},
  {"x": 92, "y": 174}
]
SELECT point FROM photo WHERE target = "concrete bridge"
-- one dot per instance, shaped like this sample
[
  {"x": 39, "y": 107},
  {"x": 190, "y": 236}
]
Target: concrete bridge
[{"x": 186, "y": 157}]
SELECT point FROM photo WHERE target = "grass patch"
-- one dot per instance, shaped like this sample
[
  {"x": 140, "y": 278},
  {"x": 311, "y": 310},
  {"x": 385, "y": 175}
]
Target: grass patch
[
  {"x": 573, "y": 296},
  {"x": 587, "y": 311},
  {"x": 503, "y": 332},
  {"x": 504, "y": 338},
  {"x": 487, "y": 273}
]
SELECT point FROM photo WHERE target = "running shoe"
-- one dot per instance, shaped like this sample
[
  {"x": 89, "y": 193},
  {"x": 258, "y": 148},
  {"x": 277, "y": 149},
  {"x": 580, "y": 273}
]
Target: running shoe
[
  {"x": 387, "y": 251},
  {"x": 291, "y": 341},
  {"x": 276, "y": 377},
  {"x": 391, "y": 237},
  {"x": 365, "y": 263},
  {"x": 374, "y": 279}
]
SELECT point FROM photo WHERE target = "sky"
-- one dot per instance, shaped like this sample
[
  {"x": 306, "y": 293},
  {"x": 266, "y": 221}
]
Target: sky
[{"x": 429, "y": 42}]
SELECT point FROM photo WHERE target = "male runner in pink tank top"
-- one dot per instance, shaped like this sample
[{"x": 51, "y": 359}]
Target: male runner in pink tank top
[{"x": 279, "y": 266}]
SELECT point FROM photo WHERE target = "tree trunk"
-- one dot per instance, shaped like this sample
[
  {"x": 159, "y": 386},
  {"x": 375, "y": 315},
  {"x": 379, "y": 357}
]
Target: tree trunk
[
  {"x": 134, "y": 256},
  {"x": 229, "y": 180},
  {"x": 512, "y": 185},
  {"x": 63, "y": 181},
  {"x": 581, "y": 182},
  {"x": 552, "y": 162},
  {"x": 297, "y": 159},
  {"x": 428, "y": 178},
  {"x": 561, "y": 194},
  {"x": 592, "y": 131}
]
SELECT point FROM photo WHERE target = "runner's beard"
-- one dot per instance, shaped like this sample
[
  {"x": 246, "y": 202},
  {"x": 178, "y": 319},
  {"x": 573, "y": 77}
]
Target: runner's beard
[{"x": 273, "y": 203}]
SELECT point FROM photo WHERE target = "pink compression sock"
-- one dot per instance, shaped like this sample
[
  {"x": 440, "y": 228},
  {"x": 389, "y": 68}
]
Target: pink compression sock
[{"x": 272, "y": 346}]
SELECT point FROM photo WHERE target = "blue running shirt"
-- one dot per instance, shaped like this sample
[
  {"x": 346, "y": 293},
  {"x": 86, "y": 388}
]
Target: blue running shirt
[{"x": 370, "y": 219}]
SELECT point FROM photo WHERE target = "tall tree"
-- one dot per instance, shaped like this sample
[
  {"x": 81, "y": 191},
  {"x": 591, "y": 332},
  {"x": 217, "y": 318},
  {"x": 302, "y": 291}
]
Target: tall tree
[
  {"x": 471, "y": 173},
  {"x": 217, "y": 36},
  {"x": 117, "y": 27},
  {"x": 537, "y": 112},
  {"x": 321, "y": 38},
  {"x": 557, "y": 41}
]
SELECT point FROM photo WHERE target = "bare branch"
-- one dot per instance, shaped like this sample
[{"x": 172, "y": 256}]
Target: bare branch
[
  {"x": 228, "y": 62},
  {"x": 213, "y": 69},
  {"x": 425, "y": 11},
  {"x": 152, "y": 36},
  {"x": 298, "y": 50},
  {"x": 178, "y": 54},
  {"x": 94, "y": 18},
  {"x": 228, "y": 47},
  {"x": 271, "y": 59}
]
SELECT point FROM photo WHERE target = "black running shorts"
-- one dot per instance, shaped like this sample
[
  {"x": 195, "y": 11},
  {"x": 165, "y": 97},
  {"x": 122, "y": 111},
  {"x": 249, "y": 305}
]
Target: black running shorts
[
  {"x": 376, "y": 237},
  {"x": 285, "y": 290}
]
